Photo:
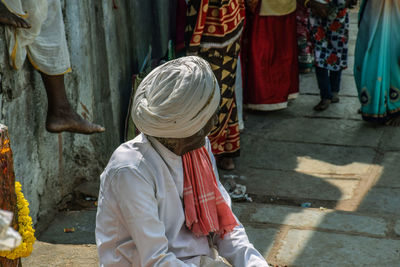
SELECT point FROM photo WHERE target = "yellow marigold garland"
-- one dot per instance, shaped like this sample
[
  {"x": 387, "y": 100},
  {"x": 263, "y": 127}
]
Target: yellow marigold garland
[{"x": 25, "y": 228}]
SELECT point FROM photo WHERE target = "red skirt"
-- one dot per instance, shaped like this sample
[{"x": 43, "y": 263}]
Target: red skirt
[{"x": 270, "y": 61}]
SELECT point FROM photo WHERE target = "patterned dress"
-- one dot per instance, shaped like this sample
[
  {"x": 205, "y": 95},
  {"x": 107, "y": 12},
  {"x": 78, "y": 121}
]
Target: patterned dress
[
  {"x": 330, "y": 37},
  {"x": 213, "y": 30}
]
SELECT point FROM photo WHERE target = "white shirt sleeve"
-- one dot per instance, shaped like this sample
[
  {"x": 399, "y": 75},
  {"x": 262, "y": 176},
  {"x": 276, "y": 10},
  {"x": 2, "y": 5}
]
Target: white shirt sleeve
[
  {"x": 138, "y": 204},
  {"x": 236, "y": 247}
]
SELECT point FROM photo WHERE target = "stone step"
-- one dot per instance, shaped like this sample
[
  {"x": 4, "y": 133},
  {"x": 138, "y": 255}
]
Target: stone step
[
  {"x": 314, "y": 218},
  {"x": 303, "y": 248},
  {"x": 303, "y": 237}
]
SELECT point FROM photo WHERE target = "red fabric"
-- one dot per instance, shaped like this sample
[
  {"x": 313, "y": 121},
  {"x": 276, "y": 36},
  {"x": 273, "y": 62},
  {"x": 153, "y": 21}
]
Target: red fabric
[
  {"x": 270, "y": 59},
  {"x": 217, "y": 19},
  {"x": 205, "y": 209}
]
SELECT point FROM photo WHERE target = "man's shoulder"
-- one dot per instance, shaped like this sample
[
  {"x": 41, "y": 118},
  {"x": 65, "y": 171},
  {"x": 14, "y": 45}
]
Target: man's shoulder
[{"x": 129, "y": 154}]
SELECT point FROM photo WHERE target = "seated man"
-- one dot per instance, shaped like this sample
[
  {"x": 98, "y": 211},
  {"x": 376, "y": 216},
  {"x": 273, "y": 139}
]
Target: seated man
[
  {"x": 160, "y": 201},
  {"x": 35, "y": 28}
]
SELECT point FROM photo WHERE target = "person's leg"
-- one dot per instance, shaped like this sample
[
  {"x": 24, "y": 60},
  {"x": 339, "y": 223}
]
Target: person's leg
[
  {"x": 8, "y": 18},
  {"x": 60, "y": 116},
  {"x": 324, "y": 88},
  {"x": 335, "y": 78},
  {"x": 225, "y": 163}
]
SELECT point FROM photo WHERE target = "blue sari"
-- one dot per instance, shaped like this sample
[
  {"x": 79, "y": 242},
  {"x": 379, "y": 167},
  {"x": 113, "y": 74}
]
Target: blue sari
[{"x": 377, "y": 60}]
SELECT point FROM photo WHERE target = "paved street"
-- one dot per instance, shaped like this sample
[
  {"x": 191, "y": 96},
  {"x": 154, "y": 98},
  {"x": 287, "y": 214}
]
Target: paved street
[{"x": 346, "y": 169}]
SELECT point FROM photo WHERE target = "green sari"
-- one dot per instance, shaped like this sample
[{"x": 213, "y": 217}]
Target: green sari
[{"x": 377, "y": 60}]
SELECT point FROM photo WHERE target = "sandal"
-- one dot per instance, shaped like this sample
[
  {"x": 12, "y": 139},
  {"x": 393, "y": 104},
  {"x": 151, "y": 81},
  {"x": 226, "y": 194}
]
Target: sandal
[
  {"x": 335, "y": 97},
  {"x": 322, "y": 105}
]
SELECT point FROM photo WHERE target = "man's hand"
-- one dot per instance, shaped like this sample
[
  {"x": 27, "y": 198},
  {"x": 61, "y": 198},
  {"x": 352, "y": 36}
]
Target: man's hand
[{"x": 321, "y": 10}]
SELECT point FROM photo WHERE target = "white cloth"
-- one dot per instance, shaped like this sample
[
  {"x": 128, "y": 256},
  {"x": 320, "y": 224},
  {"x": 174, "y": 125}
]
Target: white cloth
[
  {"x": 45, "y": 42},
  {"x": 176, "y": 99},
  {"x": 140, "y": 218},
  {"x": 9, "y": 238}
]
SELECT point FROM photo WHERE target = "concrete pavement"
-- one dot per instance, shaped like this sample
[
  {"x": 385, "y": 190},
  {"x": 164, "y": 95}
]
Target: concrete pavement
[{"x": 347, "y": 169}]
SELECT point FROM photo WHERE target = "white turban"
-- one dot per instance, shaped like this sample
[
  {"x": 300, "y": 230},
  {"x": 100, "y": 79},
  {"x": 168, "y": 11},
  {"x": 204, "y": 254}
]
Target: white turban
[{"x": 176, "y": 99}]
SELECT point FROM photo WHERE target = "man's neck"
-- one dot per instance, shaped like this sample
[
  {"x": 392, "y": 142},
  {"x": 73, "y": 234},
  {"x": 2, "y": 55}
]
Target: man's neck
[{"x": 172, "y": 144}]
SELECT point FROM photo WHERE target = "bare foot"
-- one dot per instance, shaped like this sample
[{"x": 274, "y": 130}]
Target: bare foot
[
  {"x": 395, "y": 121},
  {"x": 225, "y": 163},
  {"x": 70, "y": 121},
  {"x": 8, "y": 18}
]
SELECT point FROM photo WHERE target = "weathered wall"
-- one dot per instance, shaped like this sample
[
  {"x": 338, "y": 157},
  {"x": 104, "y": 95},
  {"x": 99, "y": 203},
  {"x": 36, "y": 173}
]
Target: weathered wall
[{"x": 106, "y": 46}]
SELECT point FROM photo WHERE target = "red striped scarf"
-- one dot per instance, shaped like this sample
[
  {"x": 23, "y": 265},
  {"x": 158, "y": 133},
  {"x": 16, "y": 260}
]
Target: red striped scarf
[{"x": 205, "y": 209}]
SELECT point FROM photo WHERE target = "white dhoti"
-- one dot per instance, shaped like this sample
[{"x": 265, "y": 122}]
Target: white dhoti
[{"x": 44, "y": 43}]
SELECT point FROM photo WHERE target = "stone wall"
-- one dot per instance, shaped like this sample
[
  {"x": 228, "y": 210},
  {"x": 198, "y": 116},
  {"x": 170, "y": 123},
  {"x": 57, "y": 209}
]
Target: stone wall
[{"x": 107, "y": 46}]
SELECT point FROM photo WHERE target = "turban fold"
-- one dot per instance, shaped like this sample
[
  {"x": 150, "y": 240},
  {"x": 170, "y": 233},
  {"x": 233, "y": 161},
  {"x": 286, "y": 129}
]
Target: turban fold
[{"x": 176, "y": 99}]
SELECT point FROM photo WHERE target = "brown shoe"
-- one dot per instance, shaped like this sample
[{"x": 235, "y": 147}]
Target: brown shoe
[
  {"x": 335, "y": 97},
  {"x": 322, "y": 105}
]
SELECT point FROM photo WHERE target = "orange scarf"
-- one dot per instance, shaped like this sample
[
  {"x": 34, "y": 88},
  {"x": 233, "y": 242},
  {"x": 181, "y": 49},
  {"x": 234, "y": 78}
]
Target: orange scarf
[{"x": 205, "y": 209}]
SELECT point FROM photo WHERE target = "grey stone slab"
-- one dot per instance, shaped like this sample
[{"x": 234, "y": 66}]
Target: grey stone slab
[
  {"x": 350, "y": 63},
  {"x": 314, "y": 159},
  {"x": 353, "y": 29},
  {"x": 83, "y": 221},
  {"x": 352, "y": 47},
  {"x": 391, "y": 138},
  {"x": 303, "y": 248},
  {"x": 239, "y": 209},
  {"x": 322, "y": 131},
  {"x": 353, "y": 36},
  {"x": 262, "y": 239},
  {"x": 381, "y": 200},
  {"x": 397, "y": 228},
  {"x": 308, "y": 84},
  {"x": 391, "y": 171},
  {"x": 322, "y": 219},
  {"x": 290, "y": 184},
  {"x": 348, "y": 85},
  {"x": 347, "y": 108},
  {"x": 258, "y": 120},
  {"x": 353, "y": 15}
]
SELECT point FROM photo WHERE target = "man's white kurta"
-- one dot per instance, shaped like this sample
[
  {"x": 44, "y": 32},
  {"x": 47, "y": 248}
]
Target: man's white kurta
[{"x": 140, "y": 218}]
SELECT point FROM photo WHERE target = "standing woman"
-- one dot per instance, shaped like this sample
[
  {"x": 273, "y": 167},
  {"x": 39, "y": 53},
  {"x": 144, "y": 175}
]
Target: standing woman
[
  {"x": 329, "y": 24},
  {"x": 213, "y": 29},
  {"x": 377, "y": 61},
  {"x": 270, "y": 55}
]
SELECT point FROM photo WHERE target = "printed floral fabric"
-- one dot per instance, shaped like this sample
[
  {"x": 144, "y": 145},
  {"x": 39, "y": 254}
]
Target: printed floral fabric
[{"x": 330, "y": 37}]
